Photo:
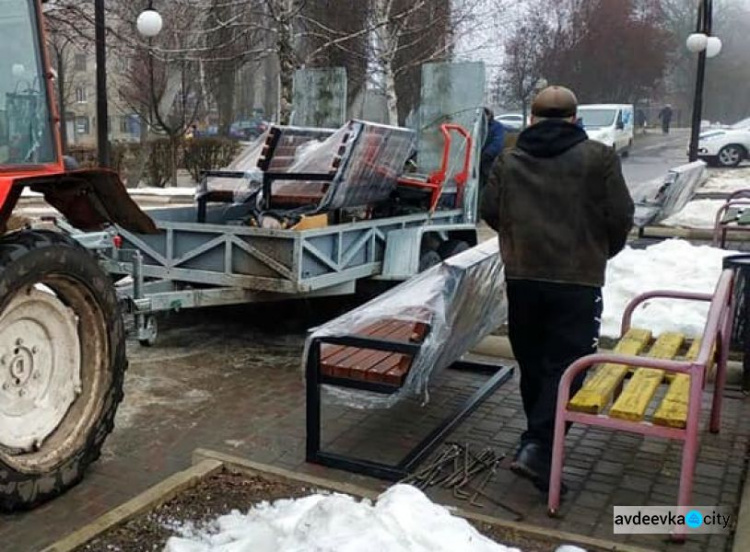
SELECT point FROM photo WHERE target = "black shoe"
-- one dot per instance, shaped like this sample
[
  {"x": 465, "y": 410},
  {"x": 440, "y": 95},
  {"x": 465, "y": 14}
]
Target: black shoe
[{"x": 534, "y": 462}]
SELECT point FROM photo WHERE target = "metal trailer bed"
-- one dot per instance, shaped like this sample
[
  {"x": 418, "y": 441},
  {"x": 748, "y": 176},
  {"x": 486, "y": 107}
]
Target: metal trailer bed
[
  {"x": 219, "y": 261},
  {"x": 208, "y": 264}
]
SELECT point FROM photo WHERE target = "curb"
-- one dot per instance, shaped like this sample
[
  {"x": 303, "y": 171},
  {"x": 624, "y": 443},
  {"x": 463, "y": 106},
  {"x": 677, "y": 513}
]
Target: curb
[
  {"x": 741, "y": 542},
  {"x": 154, "y": 496},
  {"x": 207, "y": 462}
]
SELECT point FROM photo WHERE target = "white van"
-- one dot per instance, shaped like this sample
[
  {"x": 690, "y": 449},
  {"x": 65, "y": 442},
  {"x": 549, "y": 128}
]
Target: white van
[{"x": 610, "y": 124}]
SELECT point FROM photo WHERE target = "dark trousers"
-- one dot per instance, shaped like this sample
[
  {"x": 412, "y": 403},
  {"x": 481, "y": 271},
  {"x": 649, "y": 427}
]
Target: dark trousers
[{"x": 550, "y": 326}]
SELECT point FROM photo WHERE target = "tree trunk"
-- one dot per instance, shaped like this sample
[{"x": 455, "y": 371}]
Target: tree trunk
[
  {"x": 175, "y": 140},
  {"x": 287, "y": 66},
  {"x": 225, "y": 99},
  {"x": 61, "y": 100},
  {"x": 391, "y": 97}
]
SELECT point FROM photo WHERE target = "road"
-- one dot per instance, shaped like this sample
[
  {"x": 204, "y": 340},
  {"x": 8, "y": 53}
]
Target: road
[{"x": 653, "y": 155}]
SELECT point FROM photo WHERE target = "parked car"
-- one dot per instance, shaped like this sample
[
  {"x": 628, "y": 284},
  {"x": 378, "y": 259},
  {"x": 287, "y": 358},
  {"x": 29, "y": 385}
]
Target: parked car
[
  {"x": 610, "y": 124},
  {"x": 725, "y": 147},
  {"x": 511, "y": 121},
  {"x": 248, "y": 129}
]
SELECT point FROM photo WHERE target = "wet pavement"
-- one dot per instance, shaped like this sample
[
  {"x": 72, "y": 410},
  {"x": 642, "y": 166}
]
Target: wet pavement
[{"x": 231, "y": 380}]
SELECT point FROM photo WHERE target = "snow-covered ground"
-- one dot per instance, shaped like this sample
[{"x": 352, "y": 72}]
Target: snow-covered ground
[
  {"x": 178, "y": 191},
  {"x": 700, "y": 213},
  {"x": 673, "y": 265},
  {"x": 403, "y": 519},
  {"x": 727, "y": 180}
]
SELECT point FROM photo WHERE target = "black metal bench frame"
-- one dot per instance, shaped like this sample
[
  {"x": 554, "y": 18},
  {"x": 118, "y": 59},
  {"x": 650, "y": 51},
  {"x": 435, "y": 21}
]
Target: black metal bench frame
[{"x": 314, "y": 379}]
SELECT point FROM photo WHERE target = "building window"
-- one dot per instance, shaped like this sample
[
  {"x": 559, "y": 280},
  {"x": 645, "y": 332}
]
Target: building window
[
  {"x": 82, "y": 125},
  {"x": 79, "y": 63},
  {"x": 80, "y": 94}
]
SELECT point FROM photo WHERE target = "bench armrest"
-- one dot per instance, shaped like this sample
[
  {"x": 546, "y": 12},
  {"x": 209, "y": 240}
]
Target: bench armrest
[{"x": 627, "y": 315}]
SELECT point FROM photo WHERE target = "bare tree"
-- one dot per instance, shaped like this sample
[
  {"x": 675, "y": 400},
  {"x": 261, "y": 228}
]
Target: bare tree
[{"x": 524, "y": 56}]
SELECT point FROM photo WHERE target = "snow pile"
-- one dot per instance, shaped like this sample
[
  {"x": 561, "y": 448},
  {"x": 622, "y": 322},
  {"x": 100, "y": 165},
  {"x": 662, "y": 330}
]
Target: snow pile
[
  {"x": 176, "y": 191},
  {"x": 402, "y": 520},
  {"x": 727, "y": 181},
  {"x": 700, "y": 213},
  {"x": 671, "y": 265}
]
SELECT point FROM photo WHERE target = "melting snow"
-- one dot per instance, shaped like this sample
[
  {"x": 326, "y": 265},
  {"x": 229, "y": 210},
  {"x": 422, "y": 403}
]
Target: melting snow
[
  {"x": 700, "y": 213},
  {"x": 727, "y": 181},
  {"x": 672, "y": 265},
  {"x": 403, "y": 519}
]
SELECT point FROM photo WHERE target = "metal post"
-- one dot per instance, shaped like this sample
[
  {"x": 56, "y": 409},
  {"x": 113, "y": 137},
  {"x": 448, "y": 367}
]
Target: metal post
[
  {"x": 704, "y": 26},
  {"x": 102, "y": 116}
]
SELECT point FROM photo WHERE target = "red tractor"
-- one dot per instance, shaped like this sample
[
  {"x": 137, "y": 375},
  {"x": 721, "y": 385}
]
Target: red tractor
[{"x": 62, "y": 341}]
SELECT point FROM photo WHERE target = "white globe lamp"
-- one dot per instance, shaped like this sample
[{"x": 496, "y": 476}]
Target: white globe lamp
[
  {"x": 713, "y": 46},
  {"x": 697, "y": 42},
  {"x": 149, "y": 23}
]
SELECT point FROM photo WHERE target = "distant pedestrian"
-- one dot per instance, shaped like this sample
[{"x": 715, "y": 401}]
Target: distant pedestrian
[
  {"x": 493, "y": 145},
  {"x": 666, "y": 118},
  {"x": 641, "y": 121},
  {"x": 560, "y": 206}
]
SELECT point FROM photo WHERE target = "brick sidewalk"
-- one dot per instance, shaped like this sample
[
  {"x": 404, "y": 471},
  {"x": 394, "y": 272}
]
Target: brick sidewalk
[{"x": 230, "y": 387}]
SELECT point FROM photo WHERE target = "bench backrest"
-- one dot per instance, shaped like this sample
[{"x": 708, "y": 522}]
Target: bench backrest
[{"x": 363, "y": 159}]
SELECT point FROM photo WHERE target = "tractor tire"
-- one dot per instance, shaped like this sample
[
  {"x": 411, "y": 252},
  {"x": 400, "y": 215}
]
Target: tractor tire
[{"x": 62, "y": 364}]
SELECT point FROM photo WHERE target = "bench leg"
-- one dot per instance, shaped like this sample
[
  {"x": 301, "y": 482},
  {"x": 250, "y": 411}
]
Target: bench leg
[
  {"x": 721, "y": 377},
  {"x": 312, "y": 380},
  {"x": 689, "y": 449},
  {"x": 558, "y": 454}
]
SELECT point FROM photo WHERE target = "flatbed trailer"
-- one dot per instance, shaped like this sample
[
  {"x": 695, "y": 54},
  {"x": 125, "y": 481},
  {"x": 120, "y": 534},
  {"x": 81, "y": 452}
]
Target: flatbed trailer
[{"x": 203, "y": 256}]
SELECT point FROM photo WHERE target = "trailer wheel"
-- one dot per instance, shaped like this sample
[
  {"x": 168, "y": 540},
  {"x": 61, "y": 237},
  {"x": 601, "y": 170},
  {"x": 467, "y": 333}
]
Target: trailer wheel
[
  {"x": 452, "y": 247},
  {"x": 62, "y": 363},
  {"x": 149, "y": 332}
]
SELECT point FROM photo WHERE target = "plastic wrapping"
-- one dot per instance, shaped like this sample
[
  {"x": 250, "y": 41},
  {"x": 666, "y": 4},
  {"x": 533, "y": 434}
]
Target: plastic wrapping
[
  {"x": 461, "y": 299},
  {"x": 364, "y": 161},
  {"x": 277, "y": 149},
  {"x": 653, "y": 205}
]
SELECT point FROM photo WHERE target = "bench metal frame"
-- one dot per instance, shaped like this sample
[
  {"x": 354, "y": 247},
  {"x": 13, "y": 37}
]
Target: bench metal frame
[
  {"x": 740, "y": 198},
  {"x": 717, "y": 332},
  {"x": 380, "y": 470}
]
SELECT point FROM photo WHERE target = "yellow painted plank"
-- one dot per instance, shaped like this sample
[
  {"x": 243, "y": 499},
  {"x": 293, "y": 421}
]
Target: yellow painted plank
[
  {"x": 597, "y": 392},
  {"x": 673, "y": 410},
  {"x": 632, "y": 403}
]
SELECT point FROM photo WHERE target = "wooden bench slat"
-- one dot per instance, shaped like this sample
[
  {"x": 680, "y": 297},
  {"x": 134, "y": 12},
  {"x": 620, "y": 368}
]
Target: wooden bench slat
[
  {"x": 673, "y": 410},
  {"x": 342, "y": 363},
  {"x": 373, "y": 330},
  {"x": 370, "y": 364},
  {"x": 635, "y": 398},
  {"x": 598, "y": 389}
]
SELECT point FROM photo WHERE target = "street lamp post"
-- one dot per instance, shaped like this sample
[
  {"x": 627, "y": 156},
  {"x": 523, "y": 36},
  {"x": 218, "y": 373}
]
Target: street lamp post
[
  {"x": 102, "y": 115},
  {"x": 706, "y": 46},
  {"x": 149, "y": 24}
]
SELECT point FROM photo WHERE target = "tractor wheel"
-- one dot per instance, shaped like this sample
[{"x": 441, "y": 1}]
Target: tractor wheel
[{"x": 62, "y": 363}]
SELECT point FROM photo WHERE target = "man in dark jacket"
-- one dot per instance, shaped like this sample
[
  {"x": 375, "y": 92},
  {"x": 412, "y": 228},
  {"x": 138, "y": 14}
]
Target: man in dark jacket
[
  {"x": 561, "y": 208},
  {"x": 493, "y": 145}
]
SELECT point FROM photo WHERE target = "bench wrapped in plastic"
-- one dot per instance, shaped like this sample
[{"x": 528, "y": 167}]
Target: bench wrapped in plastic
[
  {"x": 364, "y": 161},
  {"x": 452, "y": 305},
  {"x": 277, "y": 149},
  {"x": 656, "y": 201}
]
